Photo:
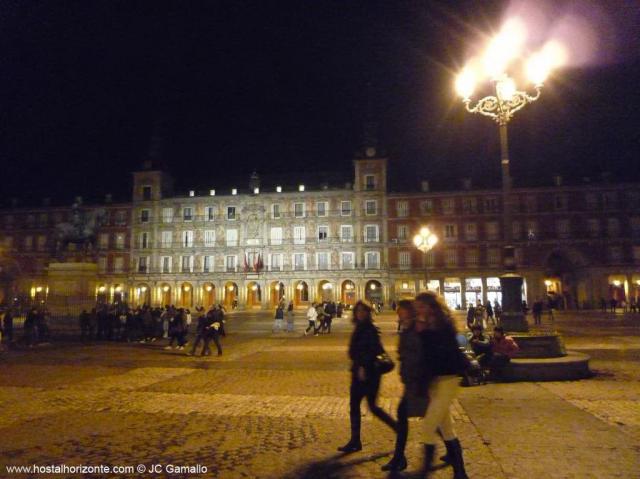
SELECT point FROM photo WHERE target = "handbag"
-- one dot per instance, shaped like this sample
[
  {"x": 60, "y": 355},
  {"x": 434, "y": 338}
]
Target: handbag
[{"x": 383, "y": 363}]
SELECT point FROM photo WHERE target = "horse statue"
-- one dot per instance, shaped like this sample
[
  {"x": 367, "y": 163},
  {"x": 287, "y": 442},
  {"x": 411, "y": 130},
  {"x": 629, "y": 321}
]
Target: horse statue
[{"x": 81, "y": 231}]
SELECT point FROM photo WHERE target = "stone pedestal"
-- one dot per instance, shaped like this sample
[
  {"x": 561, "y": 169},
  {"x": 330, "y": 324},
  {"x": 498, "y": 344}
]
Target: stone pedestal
[
  {"x": 72, "y": 287},
  {"x": 512, "y": 319}
]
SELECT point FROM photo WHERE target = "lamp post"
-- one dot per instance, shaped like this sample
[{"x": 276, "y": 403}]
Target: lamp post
[
  {"x": 425, "y": 240},
  {"x": 505, "y": 100}
]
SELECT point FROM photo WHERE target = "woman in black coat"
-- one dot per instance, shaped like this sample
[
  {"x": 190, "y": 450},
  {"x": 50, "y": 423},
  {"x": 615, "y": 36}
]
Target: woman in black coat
[{"x": 364, "y": 346}]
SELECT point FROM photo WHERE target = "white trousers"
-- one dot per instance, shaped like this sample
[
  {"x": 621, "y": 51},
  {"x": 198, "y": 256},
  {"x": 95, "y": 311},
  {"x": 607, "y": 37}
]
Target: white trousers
[{"x": 442, "y": 392}]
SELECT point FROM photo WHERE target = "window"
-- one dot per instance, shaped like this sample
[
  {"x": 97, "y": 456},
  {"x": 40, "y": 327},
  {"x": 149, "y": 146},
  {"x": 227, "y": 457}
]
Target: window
[
  {"x": 493, "y": 256},
  {"x": 346, "y": 233},
  {"x": 8, "y": 242},
  {"x": 448, "y": 206},
  {"x": 347, "y": 260},
  {"x": 593, "y": 225},
  {"x": 563, "y": 228},
  {"x": 166, "y": 239},
  {"x": 299, "y": 235},
  {"x": 371, "y": 234},
  {"x": 31, "y": 219},
  {"x": 615, "y": 254},
  {"x": 636, "y": 254},
  {"x": 613, "y": 227},
  {"x": 43, "y": 219},
  {"x": 230, "y": 263},
  {"x": 471, "y": 231},
  {"x": 187, "y": 239},
  {"x": 345, "y": 208},
  {"x": 144, "y": 240},
  {"x": 276, "y": 236},
  {"x": 372, "y": 260},
  {"x": 404, "y": 259},
  {"x": 591, "y": 201},
  {"x": 450, "y": 231},
  {"x": 321, "y": 208},
  {"x": 299, "y": 260},
  {"x": 322, "y": 260},
  {"x": 492, "y": 230},
  {"x": 28, "y": 243},
  {"x": 609, "y": 200},
  {"x": 146, "y": 193},
  {"x": 560, "y": 202},
  {"x": 209, "y": 238},
  {"x": 516, "y": 230},
  {"x": 426, "y": 207},
  {"x": 635, "y": 226},
  {"x": 450, "y": 258},
  {"x": 167, "y": 215},
  {"x": 369, "y": 182},
  {"x": 323, "y": 233},
  {"x": 165, "y": 264},
  {"x": 186, "y": 264},
  {"x": 633, "y": 199},
  {"x": 121, "y": 218},
  {"x": 275, "y": 211},
  {"x": 491, "y": 204},
  {"x": 402, "y": 208},
  {"x": 371, "y": 207},
  {"x": 142, "y": 264},
  {"x": 430, "y": 259},
  {"x": 118, "y": 264},
  {"x": 42, "y": 243},
  {"x": 402, "y": 232},
  {"x": 232, "y": 237},
  {"x": 298, "y": 210},
  {"x": 209, "y": 213},
  {"x": 187, "y": 213},
  {"x": 103, "y": 241},
  {"x": 276, "y": 262},
  {"x": 530, "y": 204},
  {"x": 144, "y": 216},
  {"x": 231, "y": 212},
  {"x": 102, "y": 264},
  {"x": 469, "y": 205},
  {"x": 207, "y": 264},
  {"x": 120, "y": 240},
  {"x": 471, "y": 257},
  {"x": 532, "y": 230}
]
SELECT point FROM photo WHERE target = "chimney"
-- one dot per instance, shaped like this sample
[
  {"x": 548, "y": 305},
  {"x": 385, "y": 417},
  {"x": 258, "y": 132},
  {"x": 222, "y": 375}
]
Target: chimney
[
  {"x": 466, "y": 184},
  {"x": 424, "y": 186},
  {"x": 348, "y": 186},
  {"x": 46, "y": 202},
  {"x": 108, "y": 198},
  {"x": 557, "y": 180},
  {"x": 79, "y": 200}
]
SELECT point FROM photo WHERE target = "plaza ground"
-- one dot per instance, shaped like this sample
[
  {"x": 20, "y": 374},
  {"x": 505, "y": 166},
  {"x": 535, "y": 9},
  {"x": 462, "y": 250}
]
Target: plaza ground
[{"x": 276, "y": 406}]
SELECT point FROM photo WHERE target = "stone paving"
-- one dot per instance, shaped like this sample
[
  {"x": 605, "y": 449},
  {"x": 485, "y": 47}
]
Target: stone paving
[{"x": 276, "y": 406}]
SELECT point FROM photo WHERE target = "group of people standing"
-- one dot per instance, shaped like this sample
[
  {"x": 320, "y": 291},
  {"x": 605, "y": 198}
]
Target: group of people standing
[
  {"x": 431, "y": 363},
  {"x": 321, "y": 315},
  {"x": 483, "y": 314},
  {"x": 35, "y": 327}
]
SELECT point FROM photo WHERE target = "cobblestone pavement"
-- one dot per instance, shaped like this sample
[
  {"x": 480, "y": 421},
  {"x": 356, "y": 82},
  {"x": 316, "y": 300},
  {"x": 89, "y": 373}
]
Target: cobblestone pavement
[{"x": 276, "y": 406}]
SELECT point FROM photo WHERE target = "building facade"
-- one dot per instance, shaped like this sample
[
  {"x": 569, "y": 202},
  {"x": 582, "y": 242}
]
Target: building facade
[{"x": 256, "y": 245}]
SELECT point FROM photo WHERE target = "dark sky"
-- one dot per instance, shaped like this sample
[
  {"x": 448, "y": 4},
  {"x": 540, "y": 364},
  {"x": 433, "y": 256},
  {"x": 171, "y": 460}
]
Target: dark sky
[{"x": 281, "y": 87}]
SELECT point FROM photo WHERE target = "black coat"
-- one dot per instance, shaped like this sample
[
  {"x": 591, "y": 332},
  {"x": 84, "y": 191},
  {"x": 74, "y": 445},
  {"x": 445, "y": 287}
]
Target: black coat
[
  {"x": 364, "y": 346},
  {"x": 441, "y": 352}
]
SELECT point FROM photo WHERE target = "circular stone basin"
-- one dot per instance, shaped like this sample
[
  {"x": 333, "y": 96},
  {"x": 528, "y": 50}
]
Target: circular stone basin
[
  {"x": 539, "y": 345},
  {"x": 569, "y": 367}
]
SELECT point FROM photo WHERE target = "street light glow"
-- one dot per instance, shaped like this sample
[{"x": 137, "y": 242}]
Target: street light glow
[
  {"x": 552, "y": 55},
  {"x": 466, "y": 82},
  {"x": 506, "y": 89},
  {"x": 504, "y": 47}
]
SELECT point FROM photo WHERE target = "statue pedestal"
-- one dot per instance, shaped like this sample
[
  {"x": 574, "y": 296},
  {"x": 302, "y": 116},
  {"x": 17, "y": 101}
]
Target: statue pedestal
[
  {"x": 72, "y": 287},
  {"x": 512, "y": 318}
]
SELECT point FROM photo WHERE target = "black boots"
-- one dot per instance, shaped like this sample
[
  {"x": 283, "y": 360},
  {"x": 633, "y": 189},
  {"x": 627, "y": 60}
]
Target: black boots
[
  {"x": 429, "y": 451},
  {"x": 397, "y": 463},
  {"x": 454, "y": 457},
  {"x": 351, "y": 446}
]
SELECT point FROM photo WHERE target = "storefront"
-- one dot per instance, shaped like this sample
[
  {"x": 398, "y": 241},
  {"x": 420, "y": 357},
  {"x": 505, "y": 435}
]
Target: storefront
[
  {"x": 473, "y": 291},
  {"x": 494, "y": 291},
  {"x": 452, "y": 293}
]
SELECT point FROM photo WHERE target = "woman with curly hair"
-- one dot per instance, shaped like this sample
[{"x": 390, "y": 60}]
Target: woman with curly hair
[
  {"x": 364, "y": 346},
  {"x": 444, "y": 362}
]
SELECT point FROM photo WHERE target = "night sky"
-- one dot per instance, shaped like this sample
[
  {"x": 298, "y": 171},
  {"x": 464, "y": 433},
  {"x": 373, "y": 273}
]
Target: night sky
[{"x": 285, "y": 87}]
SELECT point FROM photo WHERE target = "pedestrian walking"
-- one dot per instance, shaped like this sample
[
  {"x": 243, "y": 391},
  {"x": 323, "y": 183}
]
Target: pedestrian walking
[
  {"x": 364, "y": 347},
  {"x": 536, "y": 310},
  {"x": 312, "y": 315},
  {"x": 444, "y": 362},
  {"x": 212, "y": 332},
  {"x": 279, "y": 319},
  {"x": 290, "y": 317},
  {"x": 201, "y": 333}
]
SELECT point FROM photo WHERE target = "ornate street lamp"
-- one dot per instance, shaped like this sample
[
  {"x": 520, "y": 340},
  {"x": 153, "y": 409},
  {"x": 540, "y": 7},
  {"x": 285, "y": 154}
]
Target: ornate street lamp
[
  {"x": 503, "y": 50},
  {"x": 425, "y": 240}
]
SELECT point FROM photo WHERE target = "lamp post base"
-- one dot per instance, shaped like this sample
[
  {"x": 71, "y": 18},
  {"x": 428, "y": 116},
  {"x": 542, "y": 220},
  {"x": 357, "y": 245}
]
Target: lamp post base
[{"x": 513, "y": 318}]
